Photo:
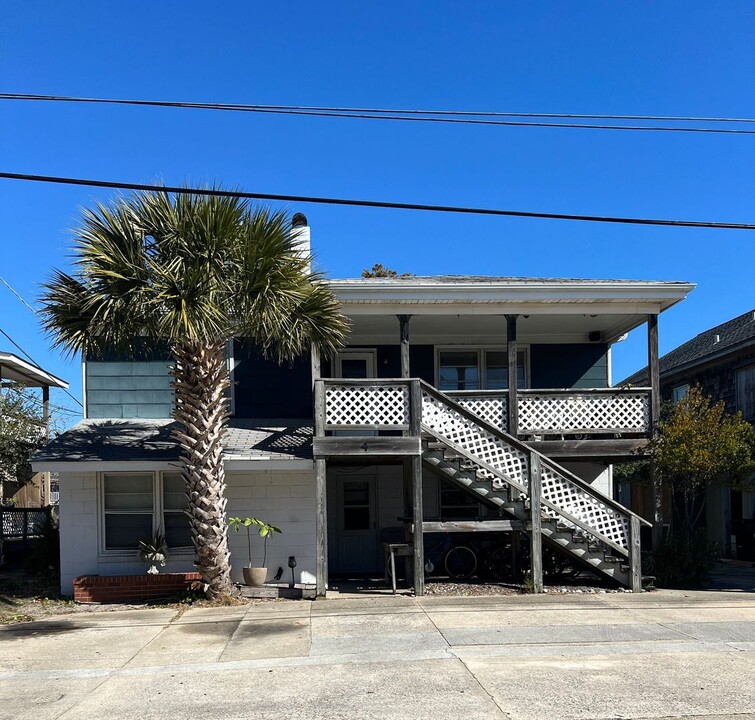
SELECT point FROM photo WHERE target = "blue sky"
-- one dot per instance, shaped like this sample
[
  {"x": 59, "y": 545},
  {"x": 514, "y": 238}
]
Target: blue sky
[{"x": 665, "y": 58}]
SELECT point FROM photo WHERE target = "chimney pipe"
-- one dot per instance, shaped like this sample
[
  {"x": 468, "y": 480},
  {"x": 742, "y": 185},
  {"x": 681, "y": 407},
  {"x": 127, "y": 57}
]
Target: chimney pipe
[{"x": 300, "y": 234}]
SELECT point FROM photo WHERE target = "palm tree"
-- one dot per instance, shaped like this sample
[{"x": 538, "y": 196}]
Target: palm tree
[{"x": 192, "y": 271}]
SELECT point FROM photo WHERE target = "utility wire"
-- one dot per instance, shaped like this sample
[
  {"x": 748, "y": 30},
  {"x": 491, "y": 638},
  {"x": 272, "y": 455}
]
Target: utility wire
[
  {"x": 371, "y": 203},
  {"x": 7, "y": 284},
  {"x": 440, "y": 116},
  {"x": 36, "y": 364},
  {"x": 38, "y": 314}
]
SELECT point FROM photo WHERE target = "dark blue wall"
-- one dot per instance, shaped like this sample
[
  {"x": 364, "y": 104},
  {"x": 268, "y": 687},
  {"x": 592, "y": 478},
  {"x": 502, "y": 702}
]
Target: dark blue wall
[
  {"x": 569, "y": 366},
  {"x": 263, "y": 388}
]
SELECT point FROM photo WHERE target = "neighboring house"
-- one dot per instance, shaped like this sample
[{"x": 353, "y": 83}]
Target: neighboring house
[
  {"x": 38, "y": 491},
  {"x": 721, "y": 361},
  {"x": 415, "y": 426}
]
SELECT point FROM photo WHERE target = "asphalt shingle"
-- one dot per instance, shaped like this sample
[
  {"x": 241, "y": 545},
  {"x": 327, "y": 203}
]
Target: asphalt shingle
[
  {"x": 150, "y": 440},
  {"x": 735, "y": 333}
]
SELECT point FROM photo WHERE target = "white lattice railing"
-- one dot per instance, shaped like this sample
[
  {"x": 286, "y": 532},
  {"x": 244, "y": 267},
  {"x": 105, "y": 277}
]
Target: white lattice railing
[
  {"x": 505, "y": 459},
  {"x": 491, "y": 405},
  {"x": 545, "y": 412},
  {"x": 363, "y": 404},
  {"x": 564, "y": 412}
]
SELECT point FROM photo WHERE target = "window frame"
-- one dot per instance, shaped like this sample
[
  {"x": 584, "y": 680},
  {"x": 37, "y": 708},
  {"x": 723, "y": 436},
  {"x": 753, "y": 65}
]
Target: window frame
[
  {"x": 738, "y": 372},
  {"x": 482, "y": 368},
  {"x": 684, "y": 387},
  {"x": 158, "y": 513}
]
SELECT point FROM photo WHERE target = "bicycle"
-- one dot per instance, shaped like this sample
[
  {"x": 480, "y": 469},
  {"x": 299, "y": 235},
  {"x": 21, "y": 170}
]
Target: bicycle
[{"x": 458, "y": 559}]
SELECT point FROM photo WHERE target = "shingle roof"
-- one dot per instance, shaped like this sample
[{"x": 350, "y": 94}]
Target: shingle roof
[
  {"x": 730, "y": 335},
  {"x": 149, "y": 440}
]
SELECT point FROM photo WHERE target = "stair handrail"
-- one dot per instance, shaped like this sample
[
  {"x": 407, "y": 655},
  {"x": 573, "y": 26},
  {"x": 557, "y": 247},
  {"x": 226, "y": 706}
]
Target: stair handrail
[{"x": 530, "y": 451}]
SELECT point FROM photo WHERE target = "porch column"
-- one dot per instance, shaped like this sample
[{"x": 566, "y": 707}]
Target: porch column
[
  {"x": 415, "y": 419},
  {"x": 513, "y": 414},
  {"x": 316, "y": 364},
  {"x": 44, "y": 478},
  {"x": 321, "y": 488},
  {"x": 404, "y": 328},
  {"x": 654, "y": 374}
]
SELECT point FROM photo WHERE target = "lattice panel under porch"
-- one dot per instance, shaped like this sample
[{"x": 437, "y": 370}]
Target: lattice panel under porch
[
  {"x": 366, "y": 405},
  {"x": 565, "y": 495},
  {"x": 556, "y": 413},
  {"x": 491, "y": 408},
  {"x": 468, "y": 435}
]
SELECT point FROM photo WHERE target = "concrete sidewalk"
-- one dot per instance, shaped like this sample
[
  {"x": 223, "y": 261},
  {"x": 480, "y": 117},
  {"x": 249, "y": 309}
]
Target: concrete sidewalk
[{"x": 663, "y": 654}]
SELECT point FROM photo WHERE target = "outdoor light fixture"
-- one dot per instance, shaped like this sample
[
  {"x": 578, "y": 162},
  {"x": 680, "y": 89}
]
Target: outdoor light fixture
[{"x": 292, "y": 565}]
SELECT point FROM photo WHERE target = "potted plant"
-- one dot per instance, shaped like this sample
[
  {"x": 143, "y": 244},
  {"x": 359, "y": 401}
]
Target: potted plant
[
  {"x": 255, "y": 576},
  {"x": 154, "y": 552}
]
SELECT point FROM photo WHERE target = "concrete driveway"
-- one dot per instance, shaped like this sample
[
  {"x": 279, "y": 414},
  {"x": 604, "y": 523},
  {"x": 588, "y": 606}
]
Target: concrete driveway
[{"x": 662, "y": 654}]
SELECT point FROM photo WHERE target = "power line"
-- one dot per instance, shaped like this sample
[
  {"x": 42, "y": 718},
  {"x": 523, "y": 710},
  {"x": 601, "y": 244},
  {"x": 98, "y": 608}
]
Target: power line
[
  {"x": 36, "y": 364},
  {"x": 372, "y": 203},
  {"x": 440, "y": 116},
  {"x": 7, "y": 284}
]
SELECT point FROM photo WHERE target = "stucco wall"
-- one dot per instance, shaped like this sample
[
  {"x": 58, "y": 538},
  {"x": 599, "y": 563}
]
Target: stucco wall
[{"x": 283, "y": 498}]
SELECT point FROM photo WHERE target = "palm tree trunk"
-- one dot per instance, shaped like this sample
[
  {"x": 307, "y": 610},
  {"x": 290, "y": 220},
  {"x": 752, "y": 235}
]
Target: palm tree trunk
[{"x": 200, "y": 382}]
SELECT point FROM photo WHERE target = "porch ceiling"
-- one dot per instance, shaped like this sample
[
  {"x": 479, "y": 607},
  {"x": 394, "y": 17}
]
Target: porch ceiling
[{"x": 491, "y": 329}]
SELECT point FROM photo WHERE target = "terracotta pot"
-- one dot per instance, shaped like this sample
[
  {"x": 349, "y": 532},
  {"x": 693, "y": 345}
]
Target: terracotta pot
[{"x": 255, "y": 576}]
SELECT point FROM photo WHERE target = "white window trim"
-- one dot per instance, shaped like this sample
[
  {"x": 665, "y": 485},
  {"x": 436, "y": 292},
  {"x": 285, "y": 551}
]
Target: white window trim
[
  {"x": 362, "y": 354},
  {"x": 157, "y": 515},
  {"x": 481, "y": 365}
]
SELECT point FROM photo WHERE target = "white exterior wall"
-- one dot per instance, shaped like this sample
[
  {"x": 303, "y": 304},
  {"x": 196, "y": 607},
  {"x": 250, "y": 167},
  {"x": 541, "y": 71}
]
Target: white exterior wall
[
  {"x": 283, "y": 498},
  {"x": 598, "y": 475}
]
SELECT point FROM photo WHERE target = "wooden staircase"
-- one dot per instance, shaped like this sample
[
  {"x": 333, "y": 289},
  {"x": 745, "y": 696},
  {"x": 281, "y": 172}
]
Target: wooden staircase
[{"x": 507, "y": 474}]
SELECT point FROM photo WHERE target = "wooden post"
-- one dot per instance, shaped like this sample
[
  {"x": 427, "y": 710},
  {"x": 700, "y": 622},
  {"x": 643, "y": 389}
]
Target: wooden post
[
  {"x": 316, "y": 366},
  {"x": 321, "y": 492},
  {"x": 513, "y": 415},
  {"x": 321, "y": 500},
  {"x": 655, "y": 416},
  {"x": 415, "y": 425},
  {"x": 417, "y": 520},
  {"x": 635, "y": 561},
  {"x": 404, "y": 329},
  {"x": 536, "y": 538}
]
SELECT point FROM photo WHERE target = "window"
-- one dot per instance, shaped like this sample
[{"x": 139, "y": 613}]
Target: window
[
  {"x": 478, "y": 369},
  {"x": 456, "y": 504},
  {"x": 175, "y": 523},
  {"x": 459, "y": 370},
  {"x": 135, "y": 505},
  {"x": 745, "y": 379},
  {"x": 680, "y": 392}
]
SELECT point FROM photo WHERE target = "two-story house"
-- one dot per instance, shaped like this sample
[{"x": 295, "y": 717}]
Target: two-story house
[
  {"x": 721, "y": 360},
  {"x": 485, "y": 399}
]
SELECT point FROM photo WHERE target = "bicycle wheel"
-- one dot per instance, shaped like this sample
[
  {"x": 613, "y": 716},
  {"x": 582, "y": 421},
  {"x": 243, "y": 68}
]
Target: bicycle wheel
[{"x": 460, "y": 562}]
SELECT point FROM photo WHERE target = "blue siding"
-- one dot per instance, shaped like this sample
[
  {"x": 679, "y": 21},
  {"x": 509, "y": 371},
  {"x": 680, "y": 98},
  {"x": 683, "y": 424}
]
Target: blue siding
[
  {"x": 569, "y": 366},
  {"x": 129, "y": 389}
]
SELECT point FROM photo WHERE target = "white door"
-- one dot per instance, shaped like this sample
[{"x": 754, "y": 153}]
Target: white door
[
  {"x": 355, "y": 365},
  {"x": 357, "y": 524}
]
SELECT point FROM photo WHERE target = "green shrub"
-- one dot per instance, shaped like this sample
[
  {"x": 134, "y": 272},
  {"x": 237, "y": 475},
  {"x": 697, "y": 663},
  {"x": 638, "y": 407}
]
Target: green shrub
[{"x": 684, "y": 561}]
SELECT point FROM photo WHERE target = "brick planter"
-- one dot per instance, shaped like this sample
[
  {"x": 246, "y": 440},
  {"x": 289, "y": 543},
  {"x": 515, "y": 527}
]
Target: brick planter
[{"x": 132, "y": 588}]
